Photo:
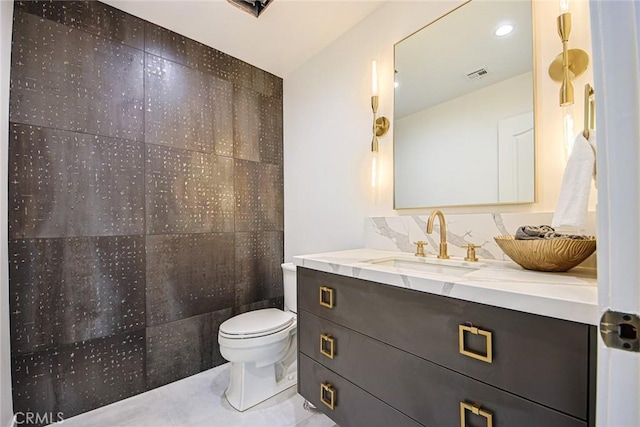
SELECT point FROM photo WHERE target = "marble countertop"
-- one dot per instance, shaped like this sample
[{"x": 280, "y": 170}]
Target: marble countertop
[{"x": 571, "y": 296}]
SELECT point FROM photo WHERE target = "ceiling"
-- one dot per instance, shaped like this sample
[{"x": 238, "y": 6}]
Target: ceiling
[
  {"x": 432, "y": 65},
  {"x": 286, "y": 35}
]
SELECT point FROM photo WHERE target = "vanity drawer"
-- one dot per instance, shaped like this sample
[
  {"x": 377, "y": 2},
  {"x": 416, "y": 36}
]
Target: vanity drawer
[
  {"x": 542, "y": 359},
  {"x": 424, "y": 391},
  {"x": 352, "y": 406}
]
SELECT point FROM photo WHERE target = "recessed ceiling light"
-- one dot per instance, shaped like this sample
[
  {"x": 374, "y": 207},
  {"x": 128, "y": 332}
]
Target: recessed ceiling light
[{"x": 503, "y": 30}]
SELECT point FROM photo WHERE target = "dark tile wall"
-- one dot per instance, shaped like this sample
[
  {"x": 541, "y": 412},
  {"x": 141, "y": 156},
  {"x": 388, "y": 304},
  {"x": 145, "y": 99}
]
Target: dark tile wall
[
  {"x": 146, "y": 203},
  {"x": 74, "y": 184}
]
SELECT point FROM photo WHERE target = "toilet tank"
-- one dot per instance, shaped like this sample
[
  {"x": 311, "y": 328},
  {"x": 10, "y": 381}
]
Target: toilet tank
[{"x": 289, "y": 282}]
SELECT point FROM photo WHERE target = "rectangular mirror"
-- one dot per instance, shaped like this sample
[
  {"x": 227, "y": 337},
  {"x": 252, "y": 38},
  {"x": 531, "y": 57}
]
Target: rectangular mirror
[{"x": 464, "y": 109}]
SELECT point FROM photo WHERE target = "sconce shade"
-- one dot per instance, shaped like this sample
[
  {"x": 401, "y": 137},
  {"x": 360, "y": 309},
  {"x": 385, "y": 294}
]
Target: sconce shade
[
  {"x": 374, "y": 78},
  {"x": 566, "y": 93},
  {"x": 564, "y": 26}
]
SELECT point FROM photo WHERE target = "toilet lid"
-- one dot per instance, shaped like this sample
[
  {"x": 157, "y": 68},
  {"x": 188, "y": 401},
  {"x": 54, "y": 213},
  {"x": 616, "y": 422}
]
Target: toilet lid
[{"x": 258, "y": 322}]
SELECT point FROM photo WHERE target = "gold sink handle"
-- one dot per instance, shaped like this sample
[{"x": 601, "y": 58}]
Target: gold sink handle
[
  {"x": 471, "y": 252},
  {"x": 420, "y": 248}
]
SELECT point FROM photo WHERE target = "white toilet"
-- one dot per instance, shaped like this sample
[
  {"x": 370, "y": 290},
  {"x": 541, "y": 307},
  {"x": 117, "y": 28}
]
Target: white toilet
[{"x": 261, "y": 346}]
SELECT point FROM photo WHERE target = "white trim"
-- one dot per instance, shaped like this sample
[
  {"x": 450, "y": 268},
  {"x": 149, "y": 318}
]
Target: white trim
[
  {"x": 615, "y": 31},
  {"x": 6, "y": 25}
]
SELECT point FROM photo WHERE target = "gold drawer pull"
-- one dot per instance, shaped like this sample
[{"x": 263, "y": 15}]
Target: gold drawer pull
[
  {"x": 475, "y": 409},
  {"x": 327, "y": 345},
  {"x": 328, "y": 395},
  {"x": 472, "y": 329},
  {"x": 326, "y": 297}
]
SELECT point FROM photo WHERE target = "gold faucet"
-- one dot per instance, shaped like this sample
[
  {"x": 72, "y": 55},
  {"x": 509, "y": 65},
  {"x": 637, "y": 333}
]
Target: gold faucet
[{"x": 443, "y": 232}]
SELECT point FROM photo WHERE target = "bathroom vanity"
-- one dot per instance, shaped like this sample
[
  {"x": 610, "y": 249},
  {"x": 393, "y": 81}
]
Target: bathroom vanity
[{"x": 389, "y": 343}]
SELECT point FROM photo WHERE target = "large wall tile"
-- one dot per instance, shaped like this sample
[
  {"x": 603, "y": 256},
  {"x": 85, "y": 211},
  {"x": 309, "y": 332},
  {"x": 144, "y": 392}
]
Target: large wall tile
[
  {"x": 259, "y": 196},
  {"x": 68, "y": 290},
  {"x": 78, "y": 377},
  {"x": 74, "y": 80},
  {"x": 271, "y": 133},
  {"x": 186, "y": 108},
  {"x": 247, "y": 106},
  {"x": 70, "y": 184},
  {"x": 217, "y": 318},
  {"x": 90, "y": 16},
  {"x": 34, "y": 383},
  {"x": 246, "y": 184},
  {"x": 178, "y": 48},
  {"x": 271, "y": 197},
  {"x": 189, "y": 274},
  {"x": 188, "y": 191},
  {"x": 247, "y": 76},
  {"x": 182, "y": 50},
  {"x": 259, "y": 256},
  {"x": 267, "y": 303},
  {"x": 257, "y": 126},
  {"x": 178, "y": 349},
  {"x": 265, "y": 82},
  {"x": 98, "y": 372}
]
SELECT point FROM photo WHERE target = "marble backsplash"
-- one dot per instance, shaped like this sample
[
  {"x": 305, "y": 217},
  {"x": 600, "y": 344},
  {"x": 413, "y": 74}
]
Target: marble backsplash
[{"x": 398, "y": 233}]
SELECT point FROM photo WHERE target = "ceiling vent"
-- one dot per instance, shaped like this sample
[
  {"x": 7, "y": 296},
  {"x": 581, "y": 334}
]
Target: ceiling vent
[
  {"x": 477, "y": 74},
  {"x": 254, "y": 7}
]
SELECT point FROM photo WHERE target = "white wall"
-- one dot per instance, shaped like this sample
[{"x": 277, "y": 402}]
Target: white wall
[
  {"x": 6, "y": 22},
  {"x": 457, "y": 139},
  {"x": 327, "y": 125},
  {"x": 327, "y": 131}
]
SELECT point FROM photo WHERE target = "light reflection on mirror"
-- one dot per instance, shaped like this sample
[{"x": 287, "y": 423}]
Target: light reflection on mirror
[{"x": 464, "y": 109}]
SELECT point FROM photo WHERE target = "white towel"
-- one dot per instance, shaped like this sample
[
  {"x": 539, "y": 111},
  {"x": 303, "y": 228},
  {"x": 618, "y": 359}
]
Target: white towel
[{"x": 571, "y": 211}]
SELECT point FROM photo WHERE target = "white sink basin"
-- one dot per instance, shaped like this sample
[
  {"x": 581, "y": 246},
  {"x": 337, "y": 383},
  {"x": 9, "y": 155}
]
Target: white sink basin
[{"x": 431, "y": 265}]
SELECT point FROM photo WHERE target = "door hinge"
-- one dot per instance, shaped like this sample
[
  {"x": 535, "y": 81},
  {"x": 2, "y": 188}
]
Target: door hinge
[{"x": 620, "y": 330}]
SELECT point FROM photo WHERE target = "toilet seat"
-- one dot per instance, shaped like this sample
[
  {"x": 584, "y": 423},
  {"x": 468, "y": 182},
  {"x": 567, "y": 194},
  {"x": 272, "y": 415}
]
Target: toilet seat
[{"x": 255, "y": 324}]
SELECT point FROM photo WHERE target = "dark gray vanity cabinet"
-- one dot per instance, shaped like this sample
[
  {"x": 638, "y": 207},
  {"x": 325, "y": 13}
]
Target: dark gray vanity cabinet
[{"x": 436, "y": 360}]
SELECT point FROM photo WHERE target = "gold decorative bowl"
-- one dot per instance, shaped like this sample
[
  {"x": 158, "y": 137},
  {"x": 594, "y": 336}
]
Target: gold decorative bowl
[{"x": 547, "y": 255}]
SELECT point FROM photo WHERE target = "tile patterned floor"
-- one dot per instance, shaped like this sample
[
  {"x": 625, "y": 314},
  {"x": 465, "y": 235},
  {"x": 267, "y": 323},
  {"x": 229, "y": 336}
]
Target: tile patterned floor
[{"x": 198, "y": 401}]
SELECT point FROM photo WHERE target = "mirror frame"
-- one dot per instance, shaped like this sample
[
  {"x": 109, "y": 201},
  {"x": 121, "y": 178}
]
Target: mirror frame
[{"x": 536, "y": 117}]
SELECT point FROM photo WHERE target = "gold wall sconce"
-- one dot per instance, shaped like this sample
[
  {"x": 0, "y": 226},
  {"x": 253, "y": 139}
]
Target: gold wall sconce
[
  {"x": 380, "y": 124},
  {"x": 568, "y": 65}
]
